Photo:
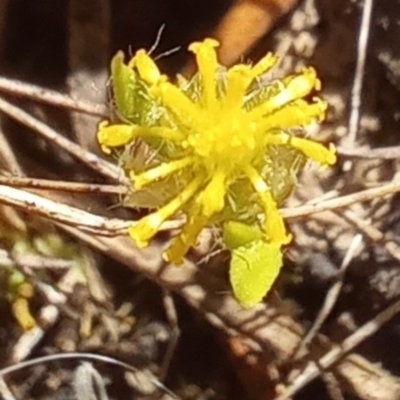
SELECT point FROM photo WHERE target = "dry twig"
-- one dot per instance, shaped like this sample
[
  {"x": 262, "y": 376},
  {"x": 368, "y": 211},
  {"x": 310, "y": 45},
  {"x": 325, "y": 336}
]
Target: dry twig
[
  {"x": 342, "y": 201},
  {"x": 330, "y": 299},
  {"x": 314, "y": 369},
  {"x": 51, "y": 97},
  {"x": 288, "y": 213},
  {"x": 91, "y": 160},
  {"x": 62, "y": 213},
  {"x": 360, "y": 72},
  {"x": 75, "y": 187},
  {"x": 383, "y": 153}
]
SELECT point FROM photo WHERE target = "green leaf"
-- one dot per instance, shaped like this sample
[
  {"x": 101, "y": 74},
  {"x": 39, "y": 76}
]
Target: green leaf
[
  {"x": 253, "y": 270},
  {"x": 134, "y": 104},
  {"x": 124, "y": 81},
  {"x": 237, "y": 234}
]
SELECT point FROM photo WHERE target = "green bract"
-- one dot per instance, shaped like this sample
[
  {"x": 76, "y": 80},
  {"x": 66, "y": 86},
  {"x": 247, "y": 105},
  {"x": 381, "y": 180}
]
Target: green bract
[{"x": 255, "y": 263}]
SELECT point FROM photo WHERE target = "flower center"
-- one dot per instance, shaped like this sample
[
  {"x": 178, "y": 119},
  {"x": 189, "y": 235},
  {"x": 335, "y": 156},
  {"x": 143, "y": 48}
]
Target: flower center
[{"x": 229, "y": 144}]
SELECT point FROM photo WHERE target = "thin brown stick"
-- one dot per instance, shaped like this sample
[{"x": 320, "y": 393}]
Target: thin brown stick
[
  {"x": 91, "y": 160},
  {"x": 47, "y": 96},
  {"x": 356, "y": 91},
  {"x": 383, "y": 153},
  {"x": 172, "y": 317},
  {"x": 288, "y": 213},
  {"x": 62, "y": 186},
  {"x": 373, "y": 234},
  {"x": 32, "y": 203},
  {"x": 313, "y": 370},
  {"x": 330, "y": 299},
  {"x": 8, "y": 158},
  {"x": 71, "y": 216},
  {"x": 343, "y": 201}
]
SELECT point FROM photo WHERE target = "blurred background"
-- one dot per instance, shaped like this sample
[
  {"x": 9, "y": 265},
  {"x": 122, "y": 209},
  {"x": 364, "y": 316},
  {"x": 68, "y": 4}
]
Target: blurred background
[{"x": 66, "y": 46}]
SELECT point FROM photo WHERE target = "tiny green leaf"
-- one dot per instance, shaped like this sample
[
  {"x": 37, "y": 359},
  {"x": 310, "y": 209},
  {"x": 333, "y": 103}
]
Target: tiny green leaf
[
  {"x": 124, "y": 78},
  {"x": 133, "y": 103},
  {"x": 237, "y": 234},
  {"x": 253, "y": 270}
]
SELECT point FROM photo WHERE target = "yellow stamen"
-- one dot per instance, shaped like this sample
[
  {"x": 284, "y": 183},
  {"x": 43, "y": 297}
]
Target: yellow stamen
[
  {"x": 159, "y": 172},
  {"x": 314, "y": 150}
]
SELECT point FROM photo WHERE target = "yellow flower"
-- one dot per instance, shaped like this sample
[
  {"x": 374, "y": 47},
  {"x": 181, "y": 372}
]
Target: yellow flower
[{"x": 223, "y": 142}]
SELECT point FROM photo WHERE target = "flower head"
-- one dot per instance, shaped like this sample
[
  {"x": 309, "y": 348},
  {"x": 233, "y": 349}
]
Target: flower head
[{"x": 223, "y": 143}]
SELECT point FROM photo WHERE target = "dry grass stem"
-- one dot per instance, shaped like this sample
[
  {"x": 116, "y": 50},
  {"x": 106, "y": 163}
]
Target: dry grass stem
[
  {"x": 356, "y": 91},
  {"x": 63, "y": 186},
  {"x": 91, "y": 160},
  {"x": 62, "y": 213},
  {"x": 342, "y": 201},
  {"x": 288, "y": 213},
  {"x": 314, "y": 369},
  {"x": 51, "y": 97},
  {"x": 330, "y": 298},
  {"x": 383, "y": 153}
]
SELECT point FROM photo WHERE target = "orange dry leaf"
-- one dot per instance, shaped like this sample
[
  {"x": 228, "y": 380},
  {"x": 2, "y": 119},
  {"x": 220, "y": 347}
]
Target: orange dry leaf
[
  {"x": 257, "y": 373},
  {"x": 245, "y": 23}
]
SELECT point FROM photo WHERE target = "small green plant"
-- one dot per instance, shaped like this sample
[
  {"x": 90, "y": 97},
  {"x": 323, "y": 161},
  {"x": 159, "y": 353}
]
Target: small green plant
[{"x": 221, "y": 149}]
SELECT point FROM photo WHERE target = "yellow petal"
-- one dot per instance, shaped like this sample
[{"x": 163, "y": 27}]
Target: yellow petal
[
  {"x": 264, "y": 65},
  {"x": 274, "y": 225},
  {"x": 146, "y": 228},
  {"x": 241, "y": 76},
  {"x": 159, "y": 172},
  {"x": 302, "y": 84},
  {"x": 142, "y": 231},
  {"x": 114, "y": 135},
  {"x": 206, "y": 57},
  {"x": 315, "y": 151},
  {"x": 238, "y": 79},
  {"x": 296, "y": 114},
  {"x": 21, "y": 312},
  {"x": 213, "y": 196},
  {"x": 146, "y": 67},
  {"x": 292, "y": 88},
  {"x": 186, "y": 239},
  {"x": 159, "y": 132},
  {"x": 187, "y": 112}
]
